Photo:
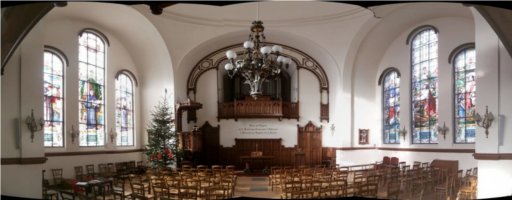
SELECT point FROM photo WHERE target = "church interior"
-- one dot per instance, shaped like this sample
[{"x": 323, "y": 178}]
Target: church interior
[{"x": 257, "y": 99}]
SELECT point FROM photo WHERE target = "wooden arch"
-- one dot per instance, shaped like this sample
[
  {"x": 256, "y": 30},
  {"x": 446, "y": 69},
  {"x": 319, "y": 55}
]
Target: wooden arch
[{"x": 303, "y": 61}]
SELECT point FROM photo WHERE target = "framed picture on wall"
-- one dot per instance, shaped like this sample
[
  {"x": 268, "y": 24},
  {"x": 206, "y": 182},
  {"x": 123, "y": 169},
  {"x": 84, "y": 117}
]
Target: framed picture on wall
[{"x": 363, "y": 136}]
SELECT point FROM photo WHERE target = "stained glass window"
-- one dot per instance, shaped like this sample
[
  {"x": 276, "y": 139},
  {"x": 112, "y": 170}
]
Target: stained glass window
[
  {"x": 424, "y": 86},
  {"x": 465, "y": 86},
  {"x": 124, "y": 110},
  {"x": 91, "y": 64},
  {"x": 391, "y": 106},
  {"x": 53, "y": 73}
]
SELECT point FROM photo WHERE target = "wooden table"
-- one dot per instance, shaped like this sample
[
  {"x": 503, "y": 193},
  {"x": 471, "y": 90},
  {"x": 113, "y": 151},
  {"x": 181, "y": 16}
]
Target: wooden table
[
  {"x": 96, "y": 187},
  {"x": 256, "y": 162}
]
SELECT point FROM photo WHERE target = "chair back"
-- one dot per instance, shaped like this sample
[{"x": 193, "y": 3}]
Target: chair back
[
  {"x": 57, "y": 176},
  {"x": 90, "y": 170},
  {"x": 102, "y": 170},
  {"x": 79, "y": 173},
  {"x": 386, "y": 160},
  {"x": 394, "y": 161}
]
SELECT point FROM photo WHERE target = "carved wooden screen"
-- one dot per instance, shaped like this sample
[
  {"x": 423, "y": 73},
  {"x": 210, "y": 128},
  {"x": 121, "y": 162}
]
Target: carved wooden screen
[
  {"x": 310, "y": 142},
  {"x": 210, "y": 144}
]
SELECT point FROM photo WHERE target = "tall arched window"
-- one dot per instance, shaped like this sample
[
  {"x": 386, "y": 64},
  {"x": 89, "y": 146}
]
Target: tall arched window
[
  {"x": 124, "y": 110},
  {"x": 391, "y": 106},
  {"x": 91, "y": 64},
  {"x": 53, "y": 73},
  {"x": 424, "y": 85},
  {"x": 464, "y": 90}
]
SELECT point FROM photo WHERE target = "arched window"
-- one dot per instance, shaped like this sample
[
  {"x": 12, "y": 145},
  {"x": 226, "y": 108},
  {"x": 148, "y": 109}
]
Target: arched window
[
  {"x": 391, "y": 106},
  {"x": 424, "y": 85},
  {"x": 464, "y": 94},
  {"x": 91, "y": 64},
  {"x": 124, "y": 110},
  {"x": 53, "y": 73}
]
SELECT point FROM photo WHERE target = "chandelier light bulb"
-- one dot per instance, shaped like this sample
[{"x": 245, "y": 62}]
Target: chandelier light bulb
[
  {"x": 231, "y": 54},
  {"x": 228, "y": 66},
  {"x": 265, "y": 50},
  {"x": 288, "y": 60},
  {"x": 277, "y": 48},
  {"x": 248, "y": 44},
  {"x": 280, "y": 59}
]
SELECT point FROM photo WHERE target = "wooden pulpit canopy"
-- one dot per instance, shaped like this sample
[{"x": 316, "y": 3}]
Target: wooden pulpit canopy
[{"x": 191, "y": 107}]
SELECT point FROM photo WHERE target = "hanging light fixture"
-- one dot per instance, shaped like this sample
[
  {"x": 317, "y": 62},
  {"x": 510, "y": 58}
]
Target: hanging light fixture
[{"x": 259, "y": 62}]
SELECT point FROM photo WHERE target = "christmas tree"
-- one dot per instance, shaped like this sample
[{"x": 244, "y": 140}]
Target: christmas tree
[{"x": 162, "y": 148}]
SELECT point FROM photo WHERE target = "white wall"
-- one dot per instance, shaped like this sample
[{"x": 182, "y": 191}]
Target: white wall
[
  {"x": 494, "y": 80},
  {"x": 17, "y": 103}
]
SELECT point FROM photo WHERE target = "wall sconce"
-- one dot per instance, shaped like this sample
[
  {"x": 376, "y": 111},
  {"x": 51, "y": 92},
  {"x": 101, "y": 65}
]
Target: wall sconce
[
  {"x": 403, "y": 132},
  {"x": 443, "y": 130},
  {"x": 332, "y": 129},
  {"x": 486, "y": 122},
  {"x": 113, "y": 135},
  {"x": 34, "y": 126},
  {"x": 73, "y": 133}
]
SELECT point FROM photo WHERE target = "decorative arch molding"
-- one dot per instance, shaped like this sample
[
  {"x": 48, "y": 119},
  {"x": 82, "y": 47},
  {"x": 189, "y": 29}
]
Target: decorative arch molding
[
  {"x": 130, "y": 74},
  {"x": 419, "y": 29},
  {"x": 386, "y": 72},
  {"x": 459, "y": 49},
  {"x": 57, "y": 52},
  {"x": 97, "y": 33},
  {"x": 213, "y": 60}
]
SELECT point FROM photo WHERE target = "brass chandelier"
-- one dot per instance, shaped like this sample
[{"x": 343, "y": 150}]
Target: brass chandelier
[{"x": 258, "y": 62}]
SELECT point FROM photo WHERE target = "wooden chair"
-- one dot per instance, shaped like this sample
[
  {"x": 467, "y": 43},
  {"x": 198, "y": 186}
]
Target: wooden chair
[
  {"x": 79, "y": 173},
  {"x": 90, "y": 171},
  {"x": 111, "y": 170},
  {"x": 131, "y": 167},
  {"x": 67, "y": 195},
  {"x": 173, "y": 186},
  {"x": 49, "y": 193},
  {"x": 139, "y": 192},
  {"x": 468, "y": 188},
  {"x": 416, "y": 165},
  {"x": 119, "y": 189},
  {"x": 443, "y": 190},
  {"x": 394, "y": 161},
  {"x": 57, "y": 176},
  {"x": 401, "y": 164},
  {"x": 102, "y": 170},
  {"x": 140, "y": 180},
  {"x": 368, "y": 190},
  {"x": 158, "y": 186},
  {"x": 469, "y": 172},
  {"x": 393, "y": 189},
  {"x": 189, "y": 189}
]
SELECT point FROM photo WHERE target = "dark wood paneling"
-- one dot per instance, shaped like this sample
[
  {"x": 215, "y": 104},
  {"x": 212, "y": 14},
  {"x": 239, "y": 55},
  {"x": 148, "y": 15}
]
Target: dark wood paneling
[
  {"x": 211, "y": 144},
  {"x": 451, "y": 165},
  {"x": 324, "y": 112},
  {"x": 310, "y": 142},
  {"x": 262, "y": 108},
  {"x": 24, "y": 161},
  {"x": 493, "y": 156},
  {"x": 82, "y": 153}
]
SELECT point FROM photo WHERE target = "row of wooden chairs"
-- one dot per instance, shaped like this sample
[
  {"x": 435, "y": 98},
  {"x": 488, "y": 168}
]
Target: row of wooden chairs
[{"x": 177, "y": 185}]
